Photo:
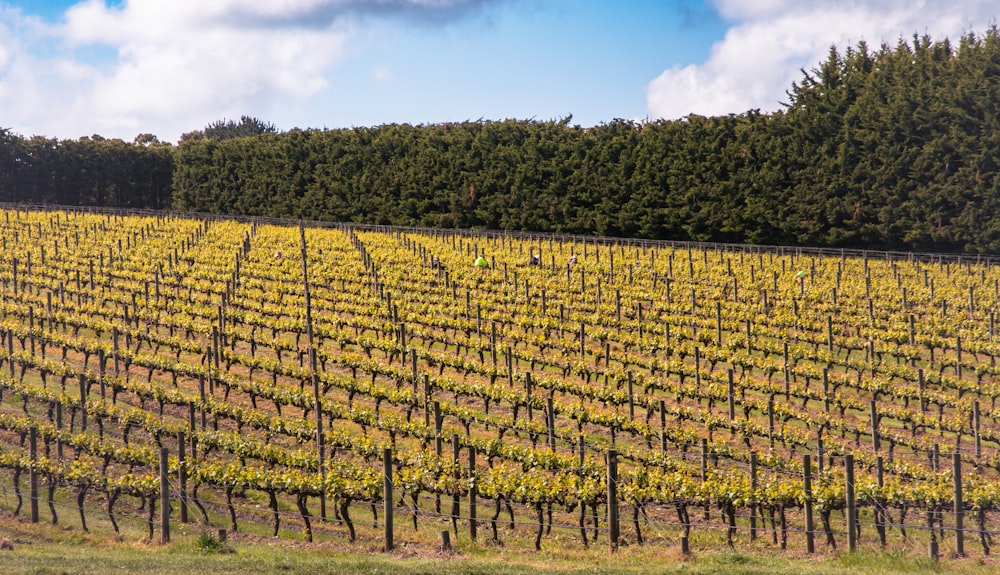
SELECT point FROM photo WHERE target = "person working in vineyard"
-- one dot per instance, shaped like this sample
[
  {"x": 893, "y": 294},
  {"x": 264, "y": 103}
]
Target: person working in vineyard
[{"x": 481, "y": 262}]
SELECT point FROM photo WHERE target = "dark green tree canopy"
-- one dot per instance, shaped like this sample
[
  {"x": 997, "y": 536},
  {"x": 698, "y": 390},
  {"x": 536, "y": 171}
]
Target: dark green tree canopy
[
  {"x": 228, "y": 129},
  {"x": 889, "y": 148}
]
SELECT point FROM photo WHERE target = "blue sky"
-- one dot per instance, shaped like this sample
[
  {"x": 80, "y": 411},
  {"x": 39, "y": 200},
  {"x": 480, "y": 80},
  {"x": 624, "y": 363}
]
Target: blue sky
[{"x": 76, "y": 68}]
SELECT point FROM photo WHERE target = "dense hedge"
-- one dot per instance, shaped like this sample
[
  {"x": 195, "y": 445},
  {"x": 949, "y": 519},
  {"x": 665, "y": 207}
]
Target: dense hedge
[
  {"x": 895, "y": 149},
  {"x": 90, "y": 171}
]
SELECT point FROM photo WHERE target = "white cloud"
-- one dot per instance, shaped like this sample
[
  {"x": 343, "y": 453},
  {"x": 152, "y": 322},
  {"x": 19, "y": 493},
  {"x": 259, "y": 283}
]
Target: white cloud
[
  {"x": 168, "y": 67},
  {"x": 772, "y": 40},
  {"x": 183, "y": 63}
]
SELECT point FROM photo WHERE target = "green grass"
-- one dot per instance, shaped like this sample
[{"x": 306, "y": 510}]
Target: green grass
[
  {"x": 44, "y": 548},
  {"x": 54, "y": 550}
]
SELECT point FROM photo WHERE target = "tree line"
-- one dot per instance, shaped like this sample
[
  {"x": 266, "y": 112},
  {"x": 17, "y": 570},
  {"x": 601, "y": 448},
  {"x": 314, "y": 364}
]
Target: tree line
[
  {"x": 91, "y": 171},
  {"x": 888, "y": 148}
]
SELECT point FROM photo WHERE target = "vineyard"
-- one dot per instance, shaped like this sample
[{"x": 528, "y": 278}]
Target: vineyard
[{"x": 373, "y": 384}]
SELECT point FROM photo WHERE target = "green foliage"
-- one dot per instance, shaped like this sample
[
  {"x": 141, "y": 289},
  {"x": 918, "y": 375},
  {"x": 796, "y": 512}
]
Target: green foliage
[
  {"x": 208, "y": 543},
  {"x": 891, "y": 149},
  {"x": 228, "y": 129},
  {"x": 91, "y": 171},
  {"x": 888, "y": 148}
]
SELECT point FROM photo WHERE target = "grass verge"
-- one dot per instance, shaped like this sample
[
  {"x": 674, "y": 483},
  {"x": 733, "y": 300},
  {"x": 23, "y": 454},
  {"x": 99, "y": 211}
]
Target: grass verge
[{"x": 44, "y": 549}]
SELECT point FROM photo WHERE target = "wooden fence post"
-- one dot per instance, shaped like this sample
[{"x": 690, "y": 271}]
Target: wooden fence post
[
  {"x": 472, "y": 492},
  {"x": 704, "y": 468},
  {"x": 613, "y": 527},
  {"x": 164, "y": 498},
  {"x": 201, "y": 397},
  {"x": 631, "y": 397},
  {"x": 387, "y": 496},
  {"x": 852, "y": 533},
  {"x": 807, "y": 491},
  {"x": 456, "y": 500},
  {"x": 876, "y": 444},
  {"x": 959, "y": 505},
  {"x": 320, "y": 444},
  {"x": 753, "y": 487},
  {"x": 975, "y": 429},
  {"x": 32, "y": 472},
  {"x": 438, "y": 448},
  {"x": 718, "y": 323},
  {"x": 10, "y": 351},
  {"x": 880, "y": 517}
]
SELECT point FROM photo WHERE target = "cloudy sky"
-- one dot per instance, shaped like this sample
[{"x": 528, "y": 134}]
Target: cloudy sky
[{"x": 120, "y": 68}]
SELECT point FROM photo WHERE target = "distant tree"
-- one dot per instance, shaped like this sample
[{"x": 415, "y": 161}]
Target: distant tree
[
  {"x": 10, "y": 163},
  {"x": 228, "y": 129},
  {"x": 146, "y": 140}
]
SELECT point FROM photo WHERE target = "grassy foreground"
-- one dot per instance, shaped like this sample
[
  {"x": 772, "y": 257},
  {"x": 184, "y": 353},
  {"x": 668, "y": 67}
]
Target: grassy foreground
[{"x": 52, "y": 550}]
